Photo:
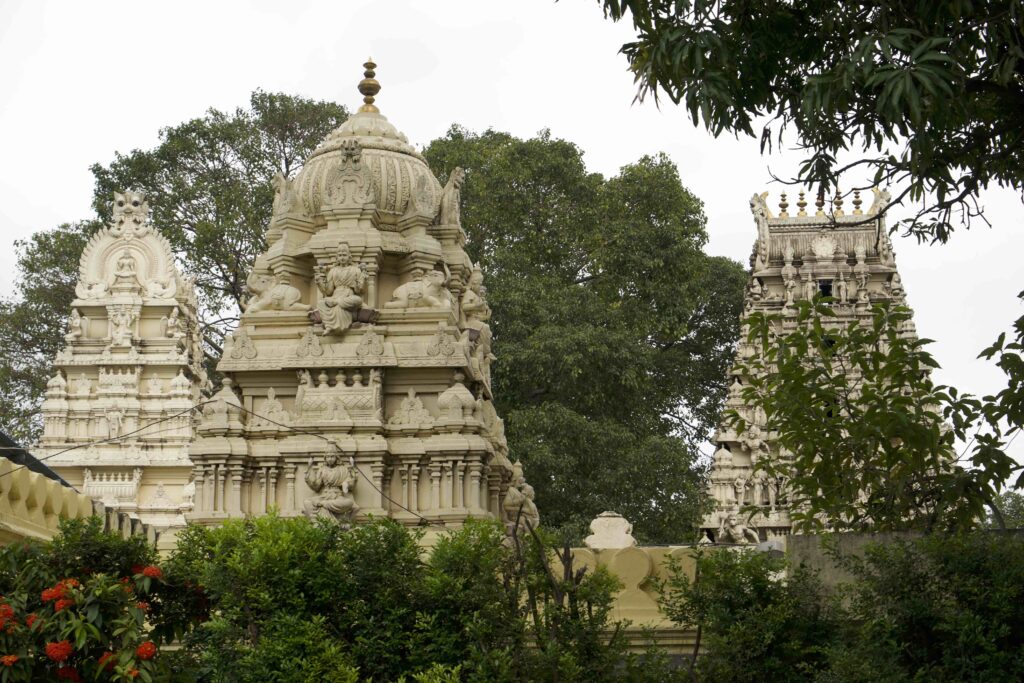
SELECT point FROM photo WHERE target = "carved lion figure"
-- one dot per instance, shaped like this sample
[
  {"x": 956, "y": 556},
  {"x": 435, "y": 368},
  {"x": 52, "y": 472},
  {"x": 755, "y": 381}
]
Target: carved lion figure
[{"x": 272, "y": 293}]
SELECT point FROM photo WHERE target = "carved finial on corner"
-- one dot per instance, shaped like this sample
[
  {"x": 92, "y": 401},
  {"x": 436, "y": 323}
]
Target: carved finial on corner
[
  {"x": 819, "y": 203},
  {"x": 856, "y": 203},
  {"x": 783, "y": 205},
  {"x": 801, "y": 204},
  {"x": 369, "y": 87},
  {"x": 837, "y": 202}
]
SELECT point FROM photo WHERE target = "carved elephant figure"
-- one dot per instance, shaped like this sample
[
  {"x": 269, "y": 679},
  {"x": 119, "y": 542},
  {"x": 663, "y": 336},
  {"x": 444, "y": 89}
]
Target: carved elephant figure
[
  {"x": 426, "y": 291},
  {"x": 272, "y": 293}
]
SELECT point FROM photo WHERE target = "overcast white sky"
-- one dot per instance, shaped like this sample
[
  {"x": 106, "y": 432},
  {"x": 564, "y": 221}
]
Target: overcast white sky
[{"x": 81, "y": 80}]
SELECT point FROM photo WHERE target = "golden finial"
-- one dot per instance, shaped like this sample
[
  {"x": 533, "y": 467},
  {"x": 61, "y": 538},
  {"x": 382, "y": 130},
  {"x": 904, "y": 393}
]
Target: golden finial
[
  {"x": 801, "y": 204},
  {"x": 369, "y": 87},
  {"x": 783, "y": 205},
  {"x": 837, "y": 202},
  {"x": 856, "y": 203},
  {"x": 820, "y": 202}
]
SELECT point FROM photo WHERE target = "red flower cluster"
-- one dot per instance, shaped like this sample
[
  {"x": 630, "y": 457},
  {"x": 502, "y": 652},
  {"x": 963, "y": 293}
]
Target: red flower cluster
[
  {"x": 137, "y": 569},
  {"x": 153, "y": 572},
  {"x": 62, "y": 603},
  {"x": 8, "y": 660},
  {"x": 6, "y": 614},
  {"x": 107, "y": 661},
  {"x": 146, "y": 651},
  {"x": 134, "y": 673},
  {"x": 31, "y": 619},
  {"x": 142, "y": 605},
  {"x": 60, "y": 590},
  {"x": 55, "y": 593},
  {"x": 69, "y": 673},
  {"x": 59, "y": 651}
]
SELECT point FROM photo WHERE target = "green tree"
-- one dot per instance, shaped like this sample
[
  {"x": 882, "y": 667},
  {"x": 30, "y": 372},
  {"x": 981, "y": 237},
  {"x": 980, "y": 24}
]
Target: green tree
[
  {"x": 866, "y": 440},
  {"x": 930, "y": 93},
  {"x": 613, "y": 329},
  {"x": 1011, "y": 509}
]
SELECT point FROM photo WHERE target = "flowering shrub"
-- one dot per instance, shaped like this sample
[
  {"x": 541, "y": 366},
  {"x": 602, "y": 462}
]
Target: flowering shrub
[{"x": 73, "y": 609}]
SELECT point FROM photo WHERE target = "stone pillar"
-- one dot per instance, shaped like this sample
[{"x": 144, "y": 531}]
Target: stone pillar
[
  {"x": 233, "y": 490},
  {"x": 199, "y": 501},
  {"x": 460, "y": 485},
  {"x": 272, "y": 496},
  {"x": 414, "y": 487},
  {"x": 435, "y": 485},
  {"x": 289, "y": 487},
  {"x": 377, "y": 474},
  {"x": 474, "y": 485}
]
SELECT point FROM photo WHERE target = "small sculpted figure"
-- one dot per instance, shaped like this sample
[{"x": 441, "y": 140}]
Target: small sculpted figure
[
  {"x": 426, "y": 290},
  {"x": 759, "y": 207},
  {"x": 842, "y": 289},
  {"x": 474, "y": 313},
  {"x": 450, "y": 211},
  {"x": 342, "y": 286},
  {"x": 126, "y": 271},
  {"x": 333, "y": 484},
  {"x": 731, "y": 530},
  {"x": 520, "y": 510},
  {"x": 739, "y": 486},
  {"x": 272, "y": 294}
]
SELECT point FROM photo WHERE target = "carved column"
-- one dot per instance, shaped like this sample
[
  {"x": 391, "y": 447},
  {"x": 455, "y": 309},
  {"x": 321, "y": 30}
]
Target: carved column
[
  {"x": 474, "y": 485},
  {"x": 272, "y": 496},
  {"x": 403, "y": 474},
  {"x": 458, "y": 472},
  {"x": 264, "y": 486},
  {"x": 199, "y": 500},
  {"x": 435, "y": 485},
  {"x": 377, "y": 473},
  {"x": 414, "y": 487},
  {"x": 289, "y": 487},
  {"x": 234, "y": 491}
]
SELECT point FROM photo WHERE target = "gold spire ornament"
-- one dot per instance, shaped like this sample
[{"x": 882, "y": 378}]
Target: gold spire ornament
[
  {"x": 783, "y": 205},
  {"x": 802, "y": 205},
  {"x": 369, "y": 87}
]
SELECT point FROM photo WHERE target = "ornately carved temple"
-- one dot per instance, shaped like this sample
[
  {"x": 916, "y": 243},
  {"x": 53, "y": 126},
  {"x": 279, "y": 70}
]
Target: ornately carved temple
[
  {"x": 358, "y": 379},
  {"x": 827, "y": 250}
]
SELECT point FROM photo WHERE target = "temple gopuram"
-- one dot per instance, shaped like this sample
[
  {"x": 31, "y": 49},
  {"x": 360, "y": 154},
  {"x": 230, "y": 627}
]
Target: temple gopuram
[
  {"x": 825, "y": 250},
  {"x": 358, "y": 380}
]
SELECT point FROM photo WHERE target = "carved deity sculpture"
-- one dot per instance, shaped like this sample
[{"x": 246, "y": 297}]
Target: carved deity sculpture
[
  {"x": 170, "y": 324},
  {"x": 121, "y": 327},
  {"x": 77, "y": 326},
  {"x": 739, "y": 486},
  {"x": 731, "y": 530},
  {"x": 841, "y": 291},
  {"x": 333, "y": 484},
  {"x": 114, "y": 420},
  {"x": 342, "y": 287},
  {"x": 759, "y": 207},
  {"x": 126, "y": 270},
  {"x": 426, "y": 290},
  {"x": 450, "y": 212},
  {"x": 520, "y": 510},
  {"x": 474, "y": 311}
]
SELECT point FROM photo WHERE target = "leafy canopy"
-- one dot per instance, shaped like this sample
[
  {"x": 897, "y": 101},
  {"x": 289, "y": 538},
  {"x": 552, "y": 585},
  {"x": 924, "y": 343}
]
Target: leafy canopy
[
  {"x": 930, "y": 92},
  {"x": 613, "y": 329},
  {"x": 866, "y": 439}
]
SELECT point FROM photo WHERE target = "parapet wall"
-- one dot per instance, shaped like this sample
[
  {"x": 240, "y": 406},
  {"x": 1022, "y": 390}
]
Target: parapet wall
[
  {"x": 31, "y": 506},
  {"x": 641, "y": 570}
]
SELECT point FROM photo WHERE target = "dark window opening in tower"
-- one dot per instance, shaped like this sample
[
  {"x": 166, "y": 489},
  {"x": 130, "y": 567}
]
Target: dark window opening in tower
[{"x": 825, "y": 287}]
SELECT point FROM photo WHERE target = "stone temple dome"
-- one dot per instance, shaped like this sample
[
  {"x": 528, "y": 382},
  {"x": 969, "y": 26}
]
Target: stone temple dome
[{"x": 397, "y": 170}]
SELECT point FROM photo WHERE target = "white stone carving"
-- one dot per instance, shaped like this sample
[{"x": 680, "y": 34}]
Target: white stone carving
[
  {"x": 610, "y": 530},
  {"x": 342, "y": 286},
  {"x": 426, "y": 290}
]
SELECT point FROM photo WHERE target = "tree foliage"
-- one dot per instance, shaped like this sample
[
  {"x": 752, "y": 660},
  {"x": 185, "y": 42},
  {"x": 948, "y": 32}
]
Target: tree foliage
[
  {"x": 613, "y": 329},
  {"x": 866, "y": 439},
  {"x": 936, "y": 608},
  {"x": 930, "y": 93}
]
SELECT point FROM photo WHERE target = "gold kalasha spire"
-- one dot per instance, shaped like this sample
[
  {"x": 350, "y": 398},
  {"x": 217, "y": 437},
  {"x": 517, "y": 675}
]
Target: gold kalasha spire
[{"x": 369, "y": 87}]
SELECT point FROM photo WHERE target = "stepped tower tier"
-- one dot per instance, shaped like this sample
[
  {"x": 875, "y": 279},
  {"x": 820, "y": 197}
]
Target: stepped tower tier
[
  {"x": 364, "y": 338},
  {"x": 824, "y": 249},
  {"x": 128, "y": 375}
]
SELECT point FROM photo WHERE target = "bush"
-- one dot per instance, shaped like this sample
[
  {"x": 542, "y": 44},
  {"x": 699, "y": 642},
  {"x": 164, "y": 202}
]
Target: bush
[
  {"x": 77, "y": 608},
  {"x": 755, "y": 625}
]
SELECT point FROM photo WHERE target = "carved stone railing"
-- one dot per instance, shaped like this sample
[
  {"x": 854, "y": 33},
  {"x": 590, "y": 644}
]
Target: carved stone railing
[
  {"x": 31, "y": 506},
  {"x": 113, "y": 488},
  {"x": 640, "y": 570}
]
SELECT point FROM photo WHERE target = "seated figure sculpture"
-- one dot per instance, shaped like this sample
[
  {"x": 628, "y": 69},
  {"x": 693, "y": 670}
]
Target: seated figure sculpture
[
  {"x": 333, "y": 483},
  {"x": 521, "y": 512},
  {"x": 342, "y": 286},
  {"x": 731, "y": 530}
]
